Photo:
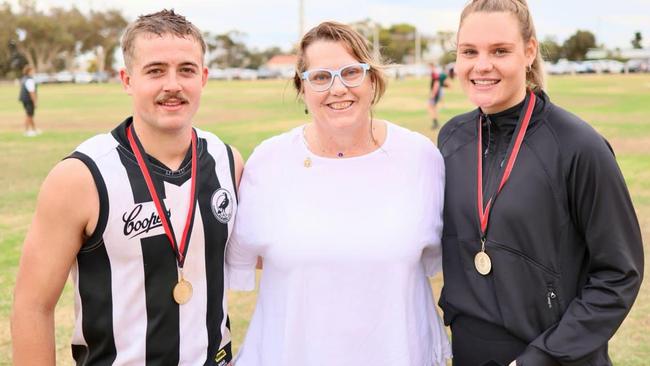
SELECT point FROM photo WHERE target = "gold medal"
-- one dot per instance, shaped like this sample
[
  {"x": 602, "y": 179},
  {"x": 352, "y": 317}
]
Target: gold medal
[
  {"x": 182, "y": 291},
  {"x": 483, "y": 263}
]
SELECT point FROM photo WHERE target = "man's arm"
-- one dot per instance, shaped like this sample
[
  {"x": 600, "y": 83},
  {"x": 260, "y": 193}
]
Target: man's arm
[
  {"x": 66, "y": 212},
  {"x": 239, "y": 164},
  {"x": 31, "y": 89},
  {"x": 435, "y": 88},
  {"x": 239, "y": 170}
]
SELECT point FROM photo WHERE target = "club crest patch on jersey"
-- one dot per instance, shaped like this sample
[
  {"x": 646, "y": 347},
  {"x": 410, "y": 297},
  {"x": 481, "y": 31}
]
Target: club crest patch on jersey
[{"x": 222, "y": 205}]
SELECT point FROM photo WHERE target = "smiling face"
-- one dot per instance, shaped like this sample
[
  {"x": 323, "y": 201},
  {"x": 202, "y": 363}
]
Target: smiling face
[
  {"x": 491, "y": 65},
  {"x": 340, "y": 106},
  {"x": 165, "y": 80}
]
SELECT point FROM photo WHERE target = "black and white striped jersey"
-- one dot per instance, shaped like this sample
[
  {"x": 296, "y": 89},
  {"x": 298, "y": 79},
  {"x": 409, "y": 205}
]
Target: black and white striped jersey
[{"x": 125, "y": 272}]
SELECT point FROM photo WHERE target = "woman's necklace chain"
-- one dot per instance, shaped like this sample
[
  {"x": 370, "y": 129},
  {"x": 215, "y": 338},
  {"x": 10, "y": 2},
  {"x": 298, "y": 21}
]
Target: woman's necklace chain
[{"x": 339, "y": 154}]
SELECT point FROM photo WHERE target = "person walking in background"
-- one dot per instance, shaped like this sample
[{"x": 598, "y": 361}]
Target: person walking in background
[
  {"x": 140, "y": 217},
  {"x": 345, "y": 212},
  {"x": 438, "y": 81},
  {"x": 542, "y": 251},
  {"x": 28, "y": 97}
]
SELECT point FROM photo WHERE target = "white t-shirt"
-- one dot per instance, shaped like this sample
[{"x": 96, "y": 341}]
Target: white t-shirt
[
  {"x": 347, "y": 246},
  {"x": 30, "y": 85}
]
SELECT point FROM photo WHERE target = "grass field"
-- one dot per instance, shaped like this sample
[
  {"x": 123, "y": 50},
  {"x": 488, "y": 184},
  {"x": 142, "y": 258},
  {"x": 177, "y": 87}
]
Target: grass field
[{"x": 245, "y": 113}]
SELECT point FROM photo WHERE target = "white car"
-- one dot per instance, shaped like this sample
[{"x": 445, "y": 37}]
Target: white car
[
  {"x": 64, "y": 77},
  {"x": 83, "y": 78}
]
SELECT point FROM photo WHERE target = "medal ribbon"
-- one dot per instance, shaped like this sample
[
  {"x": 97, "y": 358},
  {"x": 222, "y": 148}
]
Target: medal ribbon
[
  {"x": 179, "y": 250},
  {"x": 484, "y": 214}
]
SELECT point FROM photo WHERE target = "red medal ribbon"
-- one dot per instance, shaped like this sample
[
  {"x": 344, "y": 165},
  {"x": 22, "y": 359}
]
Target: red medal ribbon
[
  {"x": 484, "y": 214},
  {"x": 179, "y": 250}
]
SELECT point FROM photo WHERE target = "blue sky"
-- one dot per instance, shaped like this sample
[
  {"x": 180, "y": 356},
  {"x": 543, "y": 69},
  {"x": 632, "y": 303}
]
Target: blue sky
[{"x": 275, "y": 22}]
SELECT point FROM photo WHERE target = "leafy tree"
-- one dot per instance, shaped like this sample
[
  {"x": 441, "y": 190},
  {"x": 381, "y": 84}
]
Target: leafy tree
[
  {"x": 446, "y": 40},
  {"x": 259, "y": 58},
  {"x": 551, "y": 50},
  {"x": 228, "y": 49},
  {"x": 636, "y": 42},
  {"x": 7, "y": 38},
  {"x": 78, "y": 28},
  {"x": 398, "y": 42},
  {"x": 51, "y": 41},
  {"x": 575, "y": 48},
  {"x": 104, "y": 37},
  {"x": 41, "y": 39}
]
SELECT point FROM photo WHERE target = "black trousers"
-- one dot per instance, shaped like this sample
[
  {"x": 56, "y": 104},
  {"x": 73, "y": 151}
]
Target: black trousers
[{"x": 477, "y": 343}]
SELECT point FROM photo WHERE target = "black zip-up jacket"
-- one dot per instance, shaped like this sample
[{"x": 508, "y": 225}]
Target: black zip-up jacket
[{"x": 563, "y": 237}]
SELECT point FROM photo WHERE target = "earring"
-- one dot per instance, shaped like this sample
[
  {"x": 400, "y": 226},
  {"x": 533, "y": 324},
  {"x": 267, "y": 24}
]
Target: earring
[
  {"x": 529, "y": 68},
  {"x": 306, "y": 111}
]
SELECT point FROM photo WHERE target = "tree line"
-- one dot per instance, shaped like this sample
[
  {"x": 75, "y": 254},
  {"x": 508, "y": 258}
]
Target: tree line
[
  {"x": 575, "y": 47},
  {"x": 51, "y": 41}
]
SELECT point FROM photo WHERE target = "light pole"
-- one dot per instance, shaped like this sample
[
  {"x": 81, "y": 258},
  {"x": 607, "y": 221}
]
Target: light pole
[
  {"x": 375, "y": 42},
  {"x": 301, "y": 19},
  {"x": 418, "y": 51}
]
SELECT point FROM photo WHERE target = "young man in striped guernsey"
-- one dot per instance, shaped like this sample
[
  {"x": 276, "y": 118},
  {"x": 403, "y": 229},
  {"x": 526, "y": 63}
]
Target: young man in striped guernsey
[{"x": 140, "y": 217}]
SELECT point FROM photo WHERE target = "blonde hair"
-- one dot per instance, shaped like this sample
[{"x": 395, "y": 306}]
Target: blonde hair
[
  {"x": 535, "y": 78},
  {"x": 160, "y": 23},
  {"x": 354, "y": 42}
]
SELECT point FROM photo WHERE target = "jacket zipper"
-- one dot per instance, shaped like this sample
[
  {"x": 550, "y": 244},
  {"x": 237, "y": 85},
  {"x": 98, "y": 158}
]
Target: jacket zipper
[
  {"x": 550, "y": 297},
  {"x": 492, "y": 243}
]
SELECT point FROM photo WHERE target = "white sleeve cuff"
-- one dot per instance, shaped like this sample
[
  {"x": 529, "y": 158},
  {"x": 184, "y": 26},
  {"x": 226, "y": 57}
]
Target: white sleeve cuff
[
  {"x": 432, "y": 260},
  {"x": 241, "y": 279}
]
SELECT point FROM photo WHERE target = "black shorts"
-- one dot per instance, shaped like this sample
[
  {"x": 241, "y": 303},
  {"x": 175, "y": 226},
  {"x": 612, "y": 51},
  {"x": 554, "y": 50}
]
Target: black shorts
[
  {"x": 476, "y": 342},
  {"x": 29, "y": 108}
]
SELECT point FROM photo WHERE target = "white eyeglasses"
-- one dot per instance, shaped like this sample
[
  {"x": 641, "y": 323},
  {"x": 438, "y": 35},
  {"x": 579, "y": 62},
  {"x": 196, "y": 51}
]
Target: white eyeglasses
[{"x": 351, "y": 76}]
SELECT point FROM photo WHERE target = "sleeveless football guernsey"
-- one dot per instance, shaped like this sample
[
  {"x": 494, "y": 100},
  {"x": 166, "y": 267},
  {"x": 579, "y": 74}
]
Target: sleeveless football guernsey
[{"x": 125, "y": 272}]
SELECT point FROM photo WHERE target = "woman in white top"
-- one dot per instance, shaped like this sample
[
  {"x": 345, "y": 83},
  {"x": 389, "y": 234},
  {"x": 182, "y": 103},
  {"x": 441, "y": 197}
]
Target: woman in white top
[{"x": 346, "y": 213}]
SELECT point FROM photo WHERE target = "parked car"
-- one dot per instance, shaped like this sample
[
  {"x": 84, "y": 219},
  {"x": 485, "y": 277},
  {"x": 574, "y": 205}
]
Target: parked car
[
  {"x": 613, "y": 66},
  {"x": 64, "y": 77},
  {"x": 266, "y": 73},
  {"x": 582, "y": 67},
  {"x": 564, "y": 66},
  {"x": 100, "y": 77},
  {"x": 637, "y": 66},
  {"x": 83, "y": 77},
  {"x": 43, "y": 78},
  {"x": 217, "y": 74},
  {"x": 244, "y": 74},
  {"x": 604, "y": 66}
]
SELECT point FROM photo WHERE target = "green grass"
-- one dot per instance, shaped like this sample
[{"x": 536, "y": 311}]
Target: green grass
[{"x": 245, "y": 113}]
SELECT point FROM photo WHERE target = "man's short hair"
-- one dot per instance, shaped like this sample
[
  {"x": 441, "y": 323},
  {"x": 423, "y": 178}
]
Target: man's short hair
[
  {"x": 27, "y": 69},
  {"x": 160, "y": 23}
]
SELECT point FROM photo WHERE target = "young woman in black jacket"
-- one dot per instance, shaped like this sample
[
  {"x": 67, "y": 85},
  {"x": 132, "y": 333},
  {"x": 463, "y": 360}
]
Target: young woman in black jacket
[{"x": 542, "y": 252}]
